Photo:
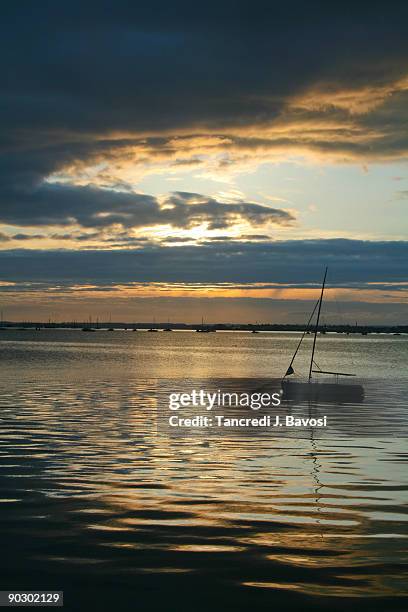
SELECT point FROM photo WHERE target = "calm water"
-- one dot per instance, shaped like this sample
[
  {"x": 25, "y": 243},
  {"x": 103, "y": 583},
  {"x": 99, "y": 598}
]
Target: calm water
[{"x": 98, "y": 502}]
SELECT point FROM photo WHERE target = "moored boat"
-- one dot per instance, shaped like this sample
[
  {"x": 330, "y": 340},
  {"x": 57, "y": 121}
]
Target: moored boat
[{"x": 315, "y": 387}]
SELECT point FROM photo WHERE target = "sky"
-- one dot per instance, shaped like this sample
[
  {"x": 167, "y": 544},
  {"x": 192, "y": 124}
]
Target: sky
[{"x": 183, "y": 160}]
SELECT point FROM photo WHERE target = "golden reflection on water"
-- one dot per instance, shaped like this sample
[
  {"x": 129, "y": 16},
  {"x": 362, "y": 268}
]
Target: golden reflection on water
[
  {"x": 372, "y": 588},
  {"x": 90, "y": 478}
]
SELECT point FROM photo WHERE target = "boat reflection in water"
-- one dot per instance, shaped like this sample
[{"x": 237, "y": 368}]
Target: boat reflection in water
[{"x": 315, "y": 388}]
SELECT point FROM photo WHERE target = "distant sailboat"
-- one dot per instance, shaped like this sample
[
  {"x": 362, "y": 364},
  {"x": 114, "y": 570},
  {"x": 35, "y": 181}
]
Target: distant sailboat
[
  {"x": 204, "y": 329},
  {"x": 88, "y": 328},
  {"x": 168, "y": 328},
  {"x": 153, "y": 329},
  {"x": 314, "y": 388}
]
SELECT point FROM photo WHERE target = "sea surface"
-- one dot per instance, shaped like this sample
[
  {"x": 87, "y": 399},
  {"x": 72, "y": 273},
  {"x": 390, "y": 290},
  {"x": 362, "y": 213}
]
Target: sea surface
[{"x": 120, "y": 514}]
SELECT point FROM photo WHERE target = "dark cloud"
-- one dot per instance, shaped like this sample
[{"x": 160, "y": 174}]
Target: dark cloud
[
  {"x": 23, "y": 237},
  {"x": 352, "y": 263},
  {"x": 187, "y": 162},
  {"x": 72, "y": 69},
  {"x": 73, "y": 75},
  {"x": 55, "y": 204},
  {"x": 122, "y": 66}
]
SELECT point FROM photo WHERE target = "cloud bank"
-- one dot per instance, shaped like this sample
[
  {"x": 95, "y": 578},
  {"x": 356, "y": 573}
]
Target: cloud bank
[
  {"x": 298, "y": 263},
  {"x": 95, "y": 97}
]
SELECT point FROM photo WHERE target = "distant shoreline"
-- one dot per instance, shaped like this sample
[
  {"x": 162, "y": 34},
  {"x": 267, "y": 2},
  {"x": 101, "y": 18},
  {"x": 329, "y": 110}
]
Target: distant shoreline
[{"x": 339, "y": 329}]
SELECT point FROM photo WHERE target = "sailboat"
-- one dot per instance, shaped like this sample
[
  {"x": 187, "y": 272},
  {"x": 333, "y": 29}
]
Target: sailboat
[
  {"x": 168, "y": 328},
  {"x": 203, "y": 329},
  {"x": 315, "y": 388},
  {"x": 153, "y": 329},
  {"x": 88, "y": 328}
]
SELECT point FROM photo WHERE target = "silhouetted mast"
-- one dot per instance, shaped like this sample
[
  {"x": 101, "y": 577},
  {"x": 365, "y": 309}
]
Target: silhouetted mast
[{"x": 317, "y": 324}]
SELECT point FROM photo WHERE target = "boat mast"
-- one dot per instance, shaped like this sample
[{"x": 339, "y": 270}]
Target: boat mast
[
  {"x": 290, "y": 370},
  {"x": 317, "y": 324}
]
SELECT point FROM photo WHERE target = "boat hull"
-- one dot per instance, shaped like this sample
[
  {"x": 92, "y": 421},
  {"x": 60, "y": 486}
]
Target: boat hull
[{"x": 322, "y": 392}]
